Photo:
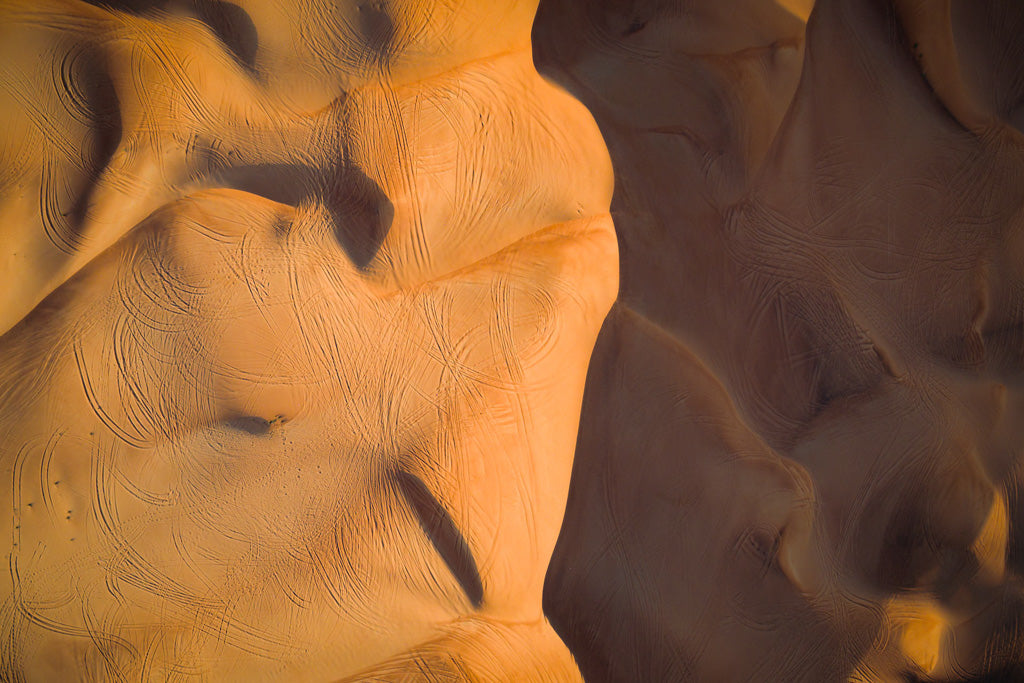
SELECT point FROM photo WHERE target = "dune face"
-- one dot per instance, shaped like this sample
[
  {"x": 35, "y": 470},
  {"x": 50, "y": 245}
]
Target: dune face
[
  {"x": 799, "y": 455},
  {"x": 298, "y": 308},
  {"x": 315, "y": 363}
]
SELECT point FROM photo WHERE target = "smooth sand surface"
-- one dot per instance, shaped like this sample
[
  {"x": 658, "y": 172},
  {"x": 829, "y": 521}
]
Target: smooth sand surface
[
  {"x": 800, "y": 449},
  {"x": 332, "y": 348}
]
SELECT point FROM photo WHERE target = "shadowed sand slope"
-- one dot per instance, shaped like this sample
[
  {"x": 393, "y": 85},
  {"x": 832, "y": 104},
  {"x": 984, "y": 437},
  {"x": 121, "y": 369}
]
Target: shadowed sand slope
[{"x": 800, "y": 450}]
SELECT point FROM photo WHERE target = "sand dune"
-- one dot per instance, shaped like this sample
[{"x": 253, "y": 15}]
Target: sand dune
[
  {"x": 804, "y": 413},
  {"x": 295, "y": 341},
  {"x": 328, "y": 353}
]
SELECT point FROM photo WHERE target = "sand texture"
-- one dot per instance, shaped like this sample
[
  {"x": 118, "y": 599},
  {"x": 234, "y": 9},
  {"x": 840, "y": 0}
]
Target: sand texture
[
  {"x": 295, "y": 340},
  {"x": 800, "y": 452},
  {"x": 421, "y": 340}
]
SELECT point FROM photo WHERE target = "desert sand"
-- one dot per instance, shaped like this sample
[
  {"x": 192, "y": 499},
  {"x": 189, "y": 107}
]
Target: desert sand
[
  {"x": 659, "y": 340},
  {"x": 295, "y": 340},
  {"x": 804, "y": 414}
]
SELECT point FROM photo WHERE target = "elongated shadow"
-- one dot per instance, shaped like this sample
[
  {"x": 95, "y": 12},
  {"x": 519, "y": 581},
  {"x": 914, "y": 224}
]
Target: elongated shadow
[
  {"x": 229, "y": 22},
  {"x": 235, "y": 28},
  {"x": 361, "y": 211},
  {"x": 443, "y": 534},
  {"x": 85, "y": 82}
]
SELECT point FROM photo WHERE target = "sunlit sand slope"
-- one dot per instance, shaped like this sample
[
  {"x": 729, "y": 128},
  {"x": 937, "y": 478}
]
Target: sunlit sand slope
[{"x": 297, "y": 308}]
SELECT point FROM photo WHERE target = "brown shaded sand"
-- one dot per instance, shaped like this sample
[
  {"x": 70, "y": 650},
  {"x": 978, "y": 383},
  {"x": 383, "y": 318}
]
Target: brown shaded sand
[{"x": 800, "y": 448}]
